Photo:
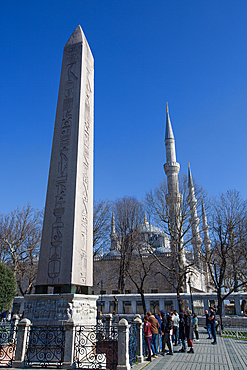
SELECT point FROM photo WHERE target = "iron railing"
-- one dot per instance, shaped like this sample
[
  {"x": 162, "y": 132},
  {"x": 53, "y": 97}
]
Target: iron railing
[
  {"x": 144, "y": 346},
  {"x": 132, "y": 344},
  {"x": 238, "y": 333},
  {"x": 96, "y": 347},
  {"x": 8, "y": 332},
  {"x": 45, "y": 346}
]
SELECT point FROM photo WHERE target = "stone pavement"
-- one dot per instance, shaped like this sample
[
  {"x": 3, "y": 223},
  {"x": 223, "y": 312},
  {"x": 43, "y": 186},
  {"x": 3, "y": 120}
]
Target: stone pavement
[{"x": 228, "y": 354}]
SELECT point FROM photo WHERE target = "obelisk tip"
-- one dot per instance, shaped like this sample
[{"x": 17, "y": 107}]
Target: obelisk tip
[{"x": 76, "y": 37}]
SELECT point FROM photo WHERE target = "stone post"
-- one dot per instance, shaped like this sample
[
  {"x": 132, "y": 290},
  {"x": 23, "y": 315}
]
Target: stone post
[
  {"x": 108, "y": 324},
  {"x": 69, "y": 344},
  {"x": 120, "y": 306},
  {"x": 237, "y": 306},
  {"x": 223, "y": 308},
  {"x": 147, "y": 305},
  {"x": 16, "y": 319},
  {"x": 133, "y": 306},
  {"x": 22, "y": 342},
  {"x": 161, "y": 304},
  {"x": 139, "y": 326},
  {"x": 206, "y": 307},
  {"x": 123, "y": 345},
  {"x": 107, "y": 306},
  {"x": 175, "y": 304}
]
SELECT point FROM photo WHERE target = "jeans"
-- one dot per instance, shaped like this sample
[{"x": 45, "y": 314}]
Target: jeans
[
  {"x": 213, "y": 332},
  {"x": 209, "y": 330},
  {"x": 160, "y": 342},
  {"x": 154, "y": 344}
]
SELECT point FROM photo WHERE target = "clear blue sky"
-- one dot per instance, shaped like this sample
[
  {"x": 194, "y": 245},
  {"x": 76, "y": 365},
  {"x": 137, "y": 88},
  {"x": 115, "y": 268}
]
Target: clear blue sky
[{"x": 192, "y": 54}]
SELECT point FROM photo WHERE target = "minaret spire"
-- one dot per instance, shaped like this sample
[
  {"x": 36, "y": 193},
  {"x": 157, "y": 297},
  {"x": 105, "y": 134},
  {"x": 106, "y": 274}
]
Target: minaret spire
[
  {"x": 194, "y": 221},
  {"x": 169, "y": 132},
  {"x": 113, "y": 222},
  {"x": 190, "y": 180}
]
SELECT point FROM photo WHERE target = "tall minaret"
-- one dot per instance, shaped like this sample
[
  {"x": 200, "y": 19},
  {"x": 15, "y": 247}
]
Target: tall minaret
[
  {"x": 173, "y": 197},
  {"x": 206, "y": 242},
  {"x": 194, "y": 221},
  {"x": 114, "y": 236},
  {"x": 205, "y": 227}
]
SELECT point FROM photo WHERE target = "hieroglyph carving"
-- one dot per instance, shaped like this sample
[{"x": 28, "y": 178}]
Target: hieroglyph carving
[
  {"x": 72, "y": 56},
  {"x": 85, "y": 177}
]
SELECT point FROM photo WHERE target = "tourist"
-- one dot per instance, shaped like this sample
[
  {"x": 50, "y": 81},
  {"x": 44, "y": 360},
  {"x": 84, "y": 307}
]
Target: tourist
[
  {"x": 182, "y": 332},
  {"x": 195, "y": 326},
  {"x": 167, "y": 330},
  {"x": 189, "y": 331},
  {"x": 175, "y": 327},
  {"x": 212, "y": 322},
  {"x": 159, "y": 319},
  {"x": 208, "y": 326},
  {"x": 155, "y": 326},
  {"x": 148, "y": 336}
]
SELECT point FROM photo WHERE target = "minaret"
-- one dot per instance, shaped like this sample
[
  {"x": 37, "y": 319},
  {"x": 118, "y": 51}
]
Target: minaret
[
  {"x": 206, "y": 242},
  {"x": 205, "y": 228},
  {"x": 194, "y": 221},
  {"x": 114, "y": 236},
  {"x": 173, "y": 197}
]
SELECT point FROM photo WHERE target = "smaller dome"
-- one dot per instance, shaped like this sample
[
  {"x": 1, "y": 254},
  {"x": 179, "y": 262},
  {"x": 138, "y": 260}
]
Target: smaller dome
[
  {"x": 112, "y": 254},
  {"x": 162, "y": 250}
]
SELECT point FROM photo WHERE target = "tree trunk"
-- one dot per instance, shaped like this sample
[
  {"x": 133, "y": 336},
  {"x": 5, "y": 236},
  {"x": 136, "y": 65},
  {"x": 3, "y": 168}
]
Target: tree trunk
[
  {"x": 180, "y": 303},
  {"x": 143, "y": 303},
  {"x": 220, "y": 302}
]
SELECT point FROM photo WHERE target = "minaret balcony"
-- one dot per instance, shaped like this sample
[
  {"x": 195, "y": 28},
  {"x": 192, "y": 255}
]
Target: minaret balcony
[{"x": 171, "y": 167}]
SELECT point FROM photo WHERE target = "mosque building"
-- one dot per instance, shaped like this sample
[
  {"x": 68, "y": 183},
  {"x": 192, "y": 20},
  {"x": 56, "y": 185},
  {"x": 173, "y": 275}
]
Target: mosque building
[{"x": 106, "y": 267}]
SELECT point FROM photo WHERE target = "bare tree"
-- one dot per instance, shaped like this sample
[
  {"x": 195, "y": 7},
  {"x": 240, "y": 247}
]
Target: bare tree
[
  {"x": 180, "y": 262},
  {"x": 128, "y": 215},
  {"x": 20, "y": 236},
  {"x": 142, "y": 264},
  {"x": 227, "y": 260},
  {"x": 101, "y": 225}
]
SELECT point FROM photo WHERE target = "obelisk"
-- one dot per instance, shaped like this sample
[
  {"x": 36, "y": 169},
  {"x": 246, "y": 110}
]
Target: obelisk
[{"x": 66, "y": 254}]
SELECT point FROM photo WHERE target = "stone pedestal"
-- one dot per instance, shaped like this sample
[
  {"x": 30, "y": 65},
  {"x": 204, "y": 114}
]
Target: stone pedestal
[
  {"x": 56, "y": 309},
  {"x": 22, "y": 341},
  {"x": 123, "y": 345}
]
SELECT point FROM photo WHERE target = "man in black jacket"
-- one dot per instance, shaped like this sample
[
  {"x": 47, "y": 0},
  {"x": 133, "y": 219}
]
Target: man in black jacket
[
  {"x": 166, "y": 329},
  {"x": 189, "y": 331}
]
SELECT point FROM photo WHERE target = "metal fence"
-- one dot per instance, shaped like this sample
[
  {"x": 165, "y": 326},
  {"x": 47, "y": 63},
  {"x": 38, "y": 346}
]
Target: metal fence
[
  {"x": 132, "y": 344},
  {"x": 144, "y": 346},
  {"x": 8, "y": 332},
  {"x": 45, "y": 346},
  {"x": 96, "y": 347},
  {"x": 237, "y": 333}
]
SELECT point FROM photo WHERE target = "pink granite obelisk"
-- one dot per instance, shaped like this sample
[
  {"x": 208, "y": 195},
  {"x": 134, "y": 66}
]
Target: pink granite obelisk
[{"x": 66, "y": 254}]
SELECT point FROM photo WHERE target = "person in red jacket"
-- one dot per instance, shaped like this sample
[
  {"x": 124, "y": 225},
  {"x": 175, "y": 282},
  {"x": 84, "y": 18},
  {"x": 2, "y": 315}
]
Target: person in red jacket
[{"x": 148, "y": 336}]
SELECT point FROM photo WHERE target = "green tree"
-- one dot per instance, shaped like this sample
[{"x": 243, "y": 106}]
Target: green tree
[{"x": 7, "y": 287}]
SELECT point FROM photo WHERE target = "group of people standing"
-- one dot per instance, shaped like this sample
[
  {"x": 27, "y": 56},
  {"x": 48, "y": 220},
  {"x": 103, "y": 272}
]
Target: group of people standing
[{"x": 168, "y": 329}]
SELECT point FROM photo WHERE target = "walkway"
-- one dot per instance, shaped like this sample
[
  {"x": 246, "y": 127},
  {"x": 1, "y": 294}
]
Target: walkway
[{"x": 228, "y": 354}]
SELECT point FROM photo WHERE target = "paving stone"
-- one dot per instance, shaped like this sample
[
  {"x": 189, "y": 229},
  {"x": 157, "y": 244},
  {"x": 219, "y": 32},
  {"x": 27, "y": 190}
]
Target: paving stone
[{"x": 227, "y": 354}]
